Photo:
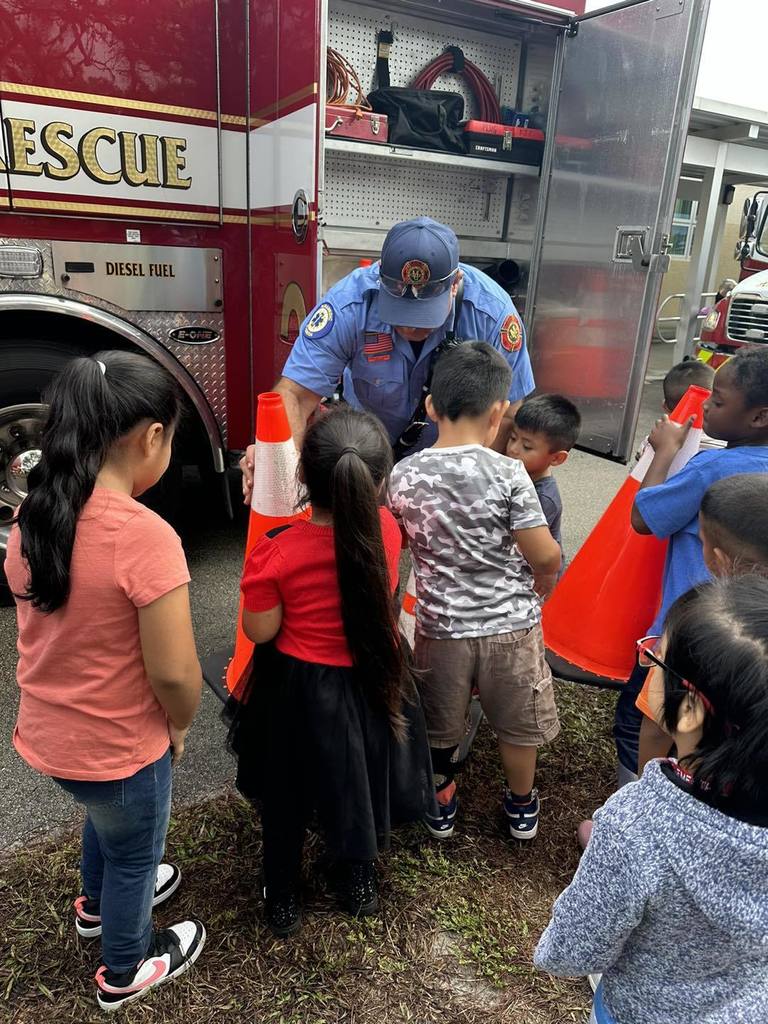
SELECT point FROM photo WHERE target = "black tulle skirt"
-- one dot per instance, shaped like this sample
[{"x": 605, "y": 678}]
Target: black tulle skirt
[{"x": 306, "y": 737}]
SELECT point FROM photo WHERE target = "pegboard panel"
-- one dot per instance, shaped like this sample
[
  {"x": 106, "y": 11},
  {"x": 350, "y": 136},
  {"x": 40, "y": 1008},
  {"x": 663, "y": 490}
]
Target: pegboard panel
[
  {"x": 353, "y": 28},
  {"x": 538, "y": 78},
  {"x": 377, "y": 192}
]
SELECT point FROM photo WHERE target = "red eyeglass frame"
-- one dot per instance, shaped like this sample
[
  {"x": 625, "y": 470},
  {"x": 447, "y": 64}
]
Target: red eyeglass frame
[{"x": 647, "y": 659}]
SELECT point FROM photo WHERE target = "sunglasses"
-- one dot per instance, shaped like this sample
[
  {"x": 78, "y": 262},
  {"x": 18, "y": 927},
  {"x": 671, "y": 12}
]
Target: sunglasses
[
  {"x": 396, "y": 287},
  {"x": 646, "y": 658}
]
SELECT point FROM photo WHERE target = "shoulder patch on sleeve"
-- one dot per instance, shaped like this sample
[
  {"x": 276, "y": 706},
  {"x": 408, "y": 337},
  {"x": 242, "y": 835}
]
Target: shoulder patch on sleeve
[
  {"x": 321, "y": 321},
  {"x": 511, "y": 334}
]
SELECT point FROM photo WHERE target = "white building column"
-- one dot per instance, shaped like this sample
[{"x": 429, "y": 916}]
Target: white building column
[{"x": 710, "y": 223}]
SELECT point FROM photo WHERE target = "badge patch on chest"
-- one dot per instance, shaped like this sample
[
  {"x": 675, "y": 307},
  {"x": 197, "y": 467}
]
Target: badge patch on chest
[
  {"x": 511, "y": 334},
  {"x": 321, "y": 321},
  {"x": 377, "y": 348}
]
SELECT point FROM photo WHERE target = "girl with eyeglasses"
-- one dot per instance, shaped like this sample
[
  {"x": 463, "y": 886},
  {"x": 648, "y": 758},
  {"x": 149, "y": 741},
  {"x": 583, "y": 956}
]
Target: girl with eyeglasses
[{"x": 670, "y": 900}]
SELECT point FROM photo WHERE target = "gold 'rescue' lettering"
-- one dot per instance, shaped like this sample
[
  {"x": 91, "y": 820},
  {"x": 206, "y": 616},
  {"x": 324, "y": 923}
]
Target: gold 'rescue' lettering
[
  {"x": 141, "y": 161},
  {"x": 149, "y": 174},
  {"x": 89, "y": 160},
  {"x": 173, "y": 162},
  {"x": 52, "y": 140},
  {"x": 20, "y": 146}
]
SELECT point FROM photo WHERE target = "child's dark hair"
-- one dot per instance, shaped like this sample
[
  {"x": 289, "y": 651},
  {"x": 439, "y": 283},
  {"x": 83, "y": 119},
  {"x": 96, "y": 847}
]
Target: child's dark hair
[
  {"x": 553, "y": 416},
  {"x": 468, "y": 379},
  {"x": 89, "y": 410},
  {"x": 750, "y": 375},
  {"x": 346, "y": 458},
  {"x": 717, "y": 640},
  {"x": 734, "y": 515},
  {"x": 682, "y": 376}
]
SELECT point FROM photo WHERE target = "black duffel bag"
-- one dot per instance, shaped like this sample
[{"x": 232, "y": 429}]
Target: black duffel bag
[{"x": 423, "y": 118}]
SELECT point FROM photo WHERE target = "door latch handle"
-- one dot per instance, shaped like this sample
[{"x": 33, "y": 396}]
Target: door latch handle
[{"x": 641, "y": 257}]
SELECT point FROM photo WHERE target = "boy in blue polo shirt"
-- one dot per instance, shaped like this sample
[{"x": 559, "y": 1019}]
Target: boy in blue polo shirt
[{"x": 737, "y": 413}]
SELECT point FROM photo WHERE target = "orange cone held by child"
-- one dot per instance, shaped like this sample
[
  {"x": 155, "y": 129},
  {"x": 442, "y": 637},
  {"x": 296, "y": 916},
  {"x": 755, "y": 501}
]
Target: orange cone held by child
[
  {"x": 273, "y": 502},
  {"x": 611, "y": 590}
]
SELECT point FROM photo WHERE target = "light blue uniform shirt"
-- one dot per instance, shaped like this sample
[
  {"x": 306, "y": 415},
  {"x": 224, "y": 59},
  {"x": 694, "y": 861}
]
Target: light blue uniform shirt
[{"x": 345, "y": 335}]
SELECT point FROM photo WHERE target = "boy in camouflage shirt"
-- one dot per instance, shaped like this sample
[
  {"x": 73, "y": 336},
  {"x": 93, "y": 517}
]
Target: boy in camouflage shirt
[{"x": 480, "y": 547}]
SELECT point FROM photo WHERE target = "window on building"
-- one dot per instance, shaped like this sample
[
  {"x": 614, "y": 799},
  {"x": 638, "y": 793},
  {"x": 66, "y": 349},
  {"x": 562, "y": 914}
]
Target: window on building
[{"x": 683, "y": 228}]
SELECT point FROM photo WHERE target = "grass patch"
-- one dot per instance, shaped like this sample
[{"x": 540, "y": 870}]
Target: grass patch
[{"x": 453, "y": 942}]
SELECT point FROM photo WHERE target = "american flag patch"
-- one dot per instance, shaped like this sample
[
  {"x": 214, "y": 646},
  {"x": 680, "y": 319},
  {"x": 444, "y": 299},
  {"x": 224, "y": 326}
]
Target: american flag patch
[{"x": 375, "y": 344}]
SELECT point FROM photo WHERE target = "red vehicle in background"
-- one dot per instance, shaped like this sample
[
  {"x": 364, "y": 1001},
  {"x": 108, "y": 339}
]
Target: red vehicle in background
[
  {"x": 169, "y": 183},
  {"x": 741, "y": 317}
]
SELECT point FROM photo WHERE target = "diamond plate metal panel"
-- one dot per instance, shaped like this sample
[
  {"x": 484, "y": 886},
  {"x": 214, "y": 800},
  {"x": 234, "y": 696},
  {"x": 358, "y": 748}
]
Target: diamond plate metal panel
[{"x": 205, "y": 363}]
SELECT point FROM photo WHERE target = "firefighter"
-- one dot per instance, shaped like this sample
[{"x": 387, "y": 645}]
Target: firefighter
[{"x": 375, "y": 335}]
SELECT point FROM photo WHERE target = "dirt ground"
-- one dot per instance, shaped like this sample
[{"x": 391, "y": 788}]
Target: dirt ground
[{"x": 453, "y": 941}]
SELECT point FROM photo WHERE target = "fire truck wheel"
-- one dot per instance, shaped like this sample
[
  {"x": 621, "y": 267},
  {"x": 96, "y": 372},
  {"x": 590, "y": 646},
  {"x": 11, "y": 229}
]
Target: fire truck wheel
[{"x": 28, "y": 368}]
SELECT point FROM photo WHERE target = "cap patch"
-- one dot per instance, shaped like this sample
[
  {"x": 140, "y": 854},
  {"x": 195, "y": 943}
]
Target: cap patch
[
  {"x": 511, "y": 334},
  {"x": 320, "y": 322},
  {"x": 415, "y": 272}
]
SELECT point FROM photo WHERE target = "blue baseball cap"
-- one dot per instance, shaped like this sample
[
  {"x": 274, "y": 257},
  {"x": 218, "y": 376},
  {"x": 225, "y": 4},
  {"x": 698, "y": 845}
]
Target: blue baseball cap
[{"x": 418, "y": 256}]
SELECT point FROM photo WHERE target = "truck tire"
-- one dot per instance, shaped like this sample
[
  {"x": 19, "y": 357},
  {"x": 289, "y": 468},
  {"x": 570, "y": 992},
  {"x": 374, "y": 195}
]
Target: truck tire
[{"x": 28, "y": 369}]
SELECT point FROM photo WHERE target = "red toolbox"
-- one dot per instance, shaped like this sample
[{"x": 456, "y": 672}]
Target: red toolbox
[
  {"x": 503, "y": 142},
  {"x": 345, "y": 122}
]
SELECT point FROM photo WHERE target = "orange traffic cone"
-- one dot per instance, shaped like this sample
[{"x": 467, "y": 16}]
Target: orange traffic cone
[
  {"x": 610, "y": 592},
  {"x": 273, "y": 503},
  {"x": 407, "y": 620}
]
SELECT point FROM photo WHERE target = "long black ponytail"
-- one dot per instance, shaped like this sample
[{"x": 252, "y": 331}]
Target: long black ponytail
[
  {"x": 92, "y": 404},
  {"x": 346, "y": 458}
]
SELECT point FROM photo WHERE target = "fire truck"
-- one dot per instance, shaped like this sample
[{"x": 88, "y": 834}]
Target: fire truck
[
  {"x": 741, "y": 318},
  {"x": 169, "y": 184}
]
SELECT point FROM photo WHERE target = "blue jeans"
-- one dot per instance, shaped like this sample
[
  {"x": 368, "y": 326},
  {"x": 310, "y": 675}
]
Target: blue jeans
[
  {"x": 123, "y": 842},
  {"x": 627, "y": 720}
]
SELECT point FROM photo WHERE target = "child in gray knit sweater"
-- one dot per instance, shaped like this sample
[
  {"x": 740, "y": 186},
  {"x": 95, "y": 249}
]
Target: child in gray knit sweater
[{"x": 670, "y": 900}]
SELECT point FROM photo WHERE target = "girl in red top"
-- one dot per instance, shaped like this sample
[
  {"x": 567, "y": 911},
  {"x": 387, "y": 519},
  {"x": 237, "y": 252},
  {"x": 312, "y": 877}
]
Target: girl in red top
[
  {"x": 108, "y": 671},
  {"x": 329, "y": 723}
]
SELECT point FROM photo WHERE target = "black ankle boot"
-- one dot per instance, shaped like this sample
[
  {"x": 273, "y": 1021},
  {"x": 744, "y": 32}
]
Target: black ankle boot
[
  {"x": 283, "y": 912},
  {"x": 357, "y": 889}
]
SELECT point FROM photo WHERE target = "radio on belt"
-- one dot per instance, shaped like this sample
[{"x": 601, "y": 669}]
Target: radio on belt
[{"x": 503, "y": 142}]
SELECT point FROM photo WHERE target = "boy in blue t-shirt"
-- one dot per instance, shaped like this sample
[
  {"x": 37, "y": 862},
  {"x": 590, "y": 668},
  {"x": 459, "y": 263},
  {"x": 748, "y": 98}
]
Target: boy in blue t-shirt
[{"x": 737, "y": 413}]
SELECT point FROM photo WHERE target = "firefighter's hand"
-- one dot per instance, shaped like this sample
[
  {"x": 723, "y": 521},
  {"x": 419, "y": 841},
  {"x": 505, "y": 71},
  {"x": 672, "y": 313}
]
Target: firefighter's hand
[
  {"x": 667, "y": 438},
  {"x": 246, "y": 468},
  {"x": 178, "y": 736}
]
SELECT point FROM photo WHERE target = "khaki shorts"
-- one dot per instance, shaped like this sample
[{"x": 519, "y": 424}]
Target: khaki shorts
[{"x": 513, "y": 678}]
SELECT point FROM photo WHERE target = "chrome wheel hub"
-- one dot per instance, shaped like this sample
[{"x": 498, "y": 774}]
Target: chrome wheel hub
[{"x": 20, "y": 432}]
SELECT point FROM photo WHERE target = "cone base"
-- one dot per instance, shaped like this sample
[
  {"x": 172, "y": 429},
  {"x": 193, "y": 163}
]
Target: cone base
[
  {"x": 215, "y": 671},
  {"x": 566, "y": 670}
]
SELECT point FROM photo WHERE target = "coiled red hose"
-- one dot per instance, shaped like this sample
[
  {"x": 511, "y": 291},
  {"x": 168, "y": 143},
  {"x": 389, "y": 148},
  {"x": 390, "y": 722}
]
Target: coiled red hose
[{"x": 487, "y": 100}]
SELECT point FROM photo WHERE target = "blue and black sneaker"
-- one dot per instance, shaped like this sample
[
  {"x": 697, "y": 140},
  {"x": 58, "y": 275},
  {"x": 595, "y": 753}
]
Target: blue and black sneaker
[
  {"x": 441, "y": 827},
  {"x": 523, "y": 819}
]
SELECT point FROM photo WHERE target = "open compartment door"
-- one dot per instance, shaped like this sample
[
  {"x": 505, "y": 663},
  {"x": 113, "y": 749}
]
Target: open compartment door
[{"x": 611, "y": 170}]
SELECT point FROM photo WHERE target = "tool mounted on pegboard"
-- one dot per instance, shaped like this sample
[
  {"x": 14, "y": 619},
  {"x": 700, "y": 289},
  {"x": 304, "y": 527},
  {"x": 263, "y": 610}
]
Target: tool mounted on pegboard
[
  {"x": 345, "y": 117},
  {"x": 420, "y": 117},
  {"x": 453, "y": 61}
]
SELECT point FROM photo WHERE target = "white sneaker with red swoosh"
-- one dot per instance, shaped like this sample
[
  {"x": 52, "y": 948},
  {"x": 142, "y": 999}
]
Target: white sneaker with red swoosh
[
  {"x": 88, "y": 918},
  {"x": 173, "y": 952}
]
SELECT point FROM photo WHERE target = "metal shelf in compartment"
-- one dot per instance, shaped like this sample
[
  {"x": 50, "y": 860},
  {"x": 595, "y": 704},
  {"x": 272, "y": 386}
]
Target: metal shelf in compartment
[{"x": 422, "y": 156}]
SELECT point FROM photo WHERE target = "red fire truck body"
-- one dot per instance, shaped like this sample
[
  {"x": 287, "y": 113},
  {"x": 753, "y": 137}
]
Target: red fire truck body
[{"x": 166, "y": 184}]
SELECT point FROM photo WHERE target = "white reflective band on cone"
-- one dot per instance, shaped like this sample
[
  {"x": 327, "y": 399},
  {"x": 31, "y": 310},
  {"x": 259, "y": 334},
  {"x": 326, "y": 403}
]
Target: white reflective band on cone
[
  {"x": 275, "y": 485},
  {"x": 686, "y": 453}
]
